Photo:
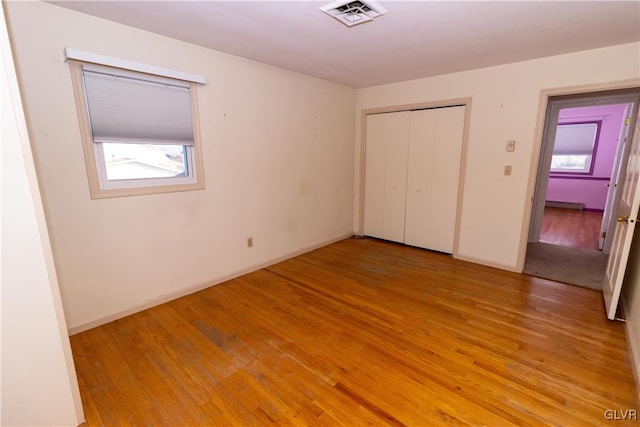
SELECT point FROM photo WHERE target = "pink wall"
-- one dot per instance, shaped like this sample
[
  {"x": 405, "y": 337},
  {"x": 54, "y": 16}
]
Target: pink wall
[{"x": 591, "y": 189}]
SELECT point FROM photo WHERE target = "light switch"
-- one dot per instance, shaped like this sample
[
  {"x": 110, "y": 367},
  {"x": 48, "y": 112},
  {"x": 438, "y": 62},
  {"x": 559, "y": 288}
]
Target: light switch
[
  {"x": 507, "y": 170},
  {"x": 511, "y": 146}
]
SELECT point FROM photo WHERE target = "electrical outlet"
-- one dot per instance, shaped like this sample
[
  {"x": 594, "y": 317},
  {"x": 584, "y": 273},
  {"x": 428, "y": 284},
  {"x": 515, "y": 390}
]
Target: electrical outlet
[
  {"x": 507, "y": 170},
  {"x": 511, "y": 146},
  {"x": 249, "y": 242}
]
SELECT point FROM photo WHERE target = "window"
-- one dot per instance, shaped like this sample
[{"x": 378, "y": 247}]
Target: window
[
  {"x": 575, "y": 147},
  {"x": 139, "y": 131}
]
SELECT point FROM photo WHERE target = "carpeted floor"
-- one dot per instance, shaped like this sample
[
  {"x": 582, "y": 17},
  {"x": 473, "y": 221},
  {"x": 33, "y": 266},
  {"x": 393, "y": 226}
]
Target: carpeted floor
[{"x": 581, "y": 267}]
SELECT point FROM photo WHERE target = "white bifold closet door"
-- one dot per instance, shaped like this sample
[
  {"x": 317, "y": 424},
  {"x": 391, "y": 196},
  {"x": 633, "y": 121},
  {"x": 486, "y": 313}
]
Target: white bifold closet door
[
  {"x": 435, "y": 149},
  {"x": 412, "y": 176},
  {"x": 386, "y": 175}
]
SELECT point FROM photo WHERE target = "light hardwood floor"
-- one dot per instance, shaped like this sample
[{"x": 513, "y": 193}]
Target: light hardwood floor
[
  {"x": 571, "y": 227},
  {"x": 362, "y": 332}
]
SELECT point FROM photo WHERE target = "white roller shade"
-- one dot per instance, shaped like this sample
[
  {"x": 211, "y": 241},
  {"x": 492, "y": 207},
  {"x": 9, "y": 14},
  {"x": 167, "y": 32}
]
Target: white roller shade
[
  {"x": 128, "y": 109},
  {"x": 575, "y": 139}
]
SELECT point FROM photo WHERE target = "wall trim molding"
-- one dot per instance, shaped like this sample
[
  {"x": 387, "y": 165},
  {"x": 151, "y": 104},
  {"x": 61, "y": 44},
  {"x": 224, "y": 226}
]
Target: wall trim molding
[
  {"x": 95, "y": 58},
  {"x": 196, "y": 287},
  {"x": 454, "y": 102},
  {"x": 487, "y": 263}
]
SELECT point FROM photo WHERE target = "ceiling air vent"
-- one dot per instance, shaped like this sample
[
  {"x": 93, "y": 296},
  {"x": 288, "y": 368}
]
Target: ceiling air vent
[{"x": 351, "y": 13}]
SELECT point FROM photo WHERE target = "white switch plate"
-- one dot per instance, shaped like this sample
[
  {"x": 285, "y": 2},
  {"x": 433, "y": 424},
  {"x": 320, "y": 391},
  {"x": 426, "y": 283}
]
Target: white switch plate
[
  {"x": 511, "y": 146},
  {"x": 507, "y": 170}
]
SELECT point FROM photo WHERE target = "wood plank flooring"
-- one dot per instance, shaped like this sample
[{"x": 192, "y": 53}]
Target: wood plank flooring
[
  {"x": 571, "y": 227},
  {"x": 362, "y": 332}
]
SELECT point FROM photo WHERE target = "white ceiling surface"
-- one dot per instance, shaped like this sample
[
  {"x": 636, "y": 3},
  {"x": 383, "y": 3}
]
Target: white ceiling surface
[{"x": 414, "y": 39}]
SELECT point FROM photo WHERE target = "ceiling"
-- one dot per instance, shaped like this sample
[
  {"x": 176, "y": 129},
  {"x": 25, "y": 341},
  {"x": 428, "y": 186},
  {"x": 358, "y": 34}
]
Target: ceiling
[{"x": 414, "y": 39}]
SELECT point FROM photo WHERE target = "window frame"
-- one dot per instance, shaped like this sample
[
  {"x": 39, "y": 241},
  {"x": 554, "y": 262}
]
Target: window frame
[
  {"x": 594, "y": 151},
  {"x": 99, "y": 186},
  {"x": 106, "y": 183}
]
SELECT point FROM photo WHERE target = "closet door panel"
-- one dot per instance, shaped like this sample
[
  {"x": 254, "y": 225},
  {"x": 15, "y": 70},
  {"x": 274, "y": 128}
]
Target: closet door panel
[
  {"x": 412, "y": 176},
  {"x": 419, "y": 178},
  {"x": 447, "y": 153},
  {"x": 397, "y": 143},
  {"x": 376, "y": 149}
]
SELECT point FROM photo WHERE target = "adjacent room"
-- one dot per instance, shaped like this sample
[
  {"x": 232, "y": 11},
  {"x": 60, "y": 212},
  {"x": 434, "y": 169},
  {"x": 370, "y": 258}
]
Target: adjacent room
[
  {"x": 318, "y": 213},
  {"x": 573, "y": 225}
]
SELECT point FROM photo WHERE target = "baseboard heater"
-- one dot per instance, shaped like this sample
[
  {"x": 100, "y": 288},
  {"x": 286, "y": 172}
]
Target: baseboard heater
[{"x": 564, "y": 205}]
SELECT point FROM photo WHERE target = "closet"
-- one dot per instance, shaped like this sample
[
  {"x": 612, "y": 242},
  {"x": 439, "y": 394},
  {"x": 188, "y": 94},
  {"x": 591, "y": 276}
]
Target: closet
[{"x": 412, "y": 176}]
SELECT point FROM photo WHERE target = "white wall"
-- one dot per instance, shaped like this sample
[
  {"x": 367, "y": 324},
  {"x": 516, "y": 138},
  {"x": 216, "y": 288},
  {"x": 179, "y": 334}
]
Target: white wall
[
  {"x": 505, "y": 102},
  {"x": 39, "y": 386},
  {"x": 631, "y": 304},
  {"x": 278, "y": 160}
]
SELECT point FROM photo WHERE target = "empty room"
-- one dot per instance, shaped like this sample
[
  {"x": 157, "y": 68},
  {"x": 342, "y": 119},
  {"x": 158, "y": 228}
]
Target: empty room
[{"x": 315, "y": 213}]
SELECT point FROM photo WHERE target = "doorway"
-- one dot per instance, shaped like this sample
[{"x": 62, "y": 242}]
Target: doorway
[{"x": 581, "y": 157}]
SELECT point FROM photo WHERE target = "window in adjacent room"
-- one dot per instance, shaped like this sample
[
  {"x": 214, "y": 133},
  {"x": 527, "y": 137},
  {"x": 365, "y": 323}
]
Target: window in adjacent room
[
  {"x": 575, "y": 148},
  {"x": 139, "y": 130}
]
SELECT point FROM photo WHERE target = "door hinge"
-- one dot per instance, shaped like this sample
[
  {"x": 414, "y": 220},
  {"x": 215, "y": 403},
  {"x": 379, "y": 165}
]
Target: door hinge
[
  {"x": 604, "y": 234},
  {"x": 627, "y": 121}
]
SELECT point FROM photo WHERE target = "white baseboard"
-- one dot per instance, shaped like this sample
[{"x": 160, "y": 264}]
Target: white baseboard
[
  {"x": 194, "y": 288},
  {"x": 486, "y": 263},
  {"x": 634, "y": 348}
]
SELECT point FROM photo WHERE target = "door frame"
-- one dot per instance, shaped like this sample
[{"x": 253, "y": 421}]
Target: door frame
[
  {"x": 543, "y": 103},
  {"x": 554, "y": 106},
  {"x": 466, "y": 102}
]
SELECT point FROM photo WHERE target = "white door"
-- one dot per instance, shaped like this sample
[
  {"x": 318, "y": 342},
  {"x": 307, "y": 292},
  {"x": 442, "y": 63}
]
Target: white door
[
  {"x": 606, "y": 227},
  {"x": 435, "y": 148},
  {"x": 446, "y": 176},
  {"x": 395, "y": 176},
  {"x": 627, "y": 215},
  {"x": 386, "y": 175},
  {"x": 419, "y": 178}
]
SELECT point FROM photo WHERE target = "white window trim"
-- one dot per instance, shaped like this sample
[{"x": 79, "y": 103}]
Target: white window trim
[
  {"x": 583, "y": 171},
  {"x": 590, "y": 155},
  {"x": 99, "y": 186},
  {"x": 94, "y": 58},
  {"x": 106, "y": 184}
]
